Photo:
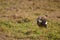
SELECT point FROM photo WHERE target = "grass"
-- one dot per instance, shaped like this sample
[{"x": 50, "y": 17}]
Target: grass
[
  {"x": 25, "y": 27},
  {"x": 18, "y": 28},
  {"x": 30, "y": 30}
]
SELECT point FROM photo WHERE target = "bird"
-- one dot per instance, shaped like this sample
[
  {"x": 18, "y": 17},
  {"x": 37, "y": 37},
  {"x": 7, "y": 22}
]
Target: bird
[{"x": 42, "y": 21}]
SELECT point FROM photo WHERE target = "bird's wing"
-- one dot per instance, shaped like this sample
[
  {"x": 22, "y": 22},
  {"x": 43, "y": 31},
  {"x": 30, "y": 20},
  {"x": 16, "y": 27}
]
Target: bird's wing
[
  {"x": 46, "y": 23},
  {"x": 40, "y": 21}
]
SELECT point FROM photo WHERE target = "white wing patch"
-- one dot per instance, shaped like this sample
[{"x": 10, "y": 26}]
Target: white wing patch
[
  {"x": 40, "y": 21},
  {"x": 46, "y": 23}
]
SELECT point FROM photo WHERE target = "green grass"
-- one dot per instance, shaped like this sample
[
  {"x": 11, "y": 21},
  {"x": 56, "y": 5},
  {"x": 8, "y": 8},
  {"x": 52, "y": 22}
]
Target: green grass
[
  {"x": 19, "y": 29},
  {"x": 27, "y": 27},
  {"x": 30, "y": 30}
]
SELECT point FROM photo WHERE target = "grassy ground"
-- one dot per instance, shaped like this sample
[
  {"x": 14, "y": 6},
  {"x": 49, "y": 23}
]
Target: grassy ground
[
  {"x": 29, "y": 30},
  {"x": 18, "y": 19}
]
